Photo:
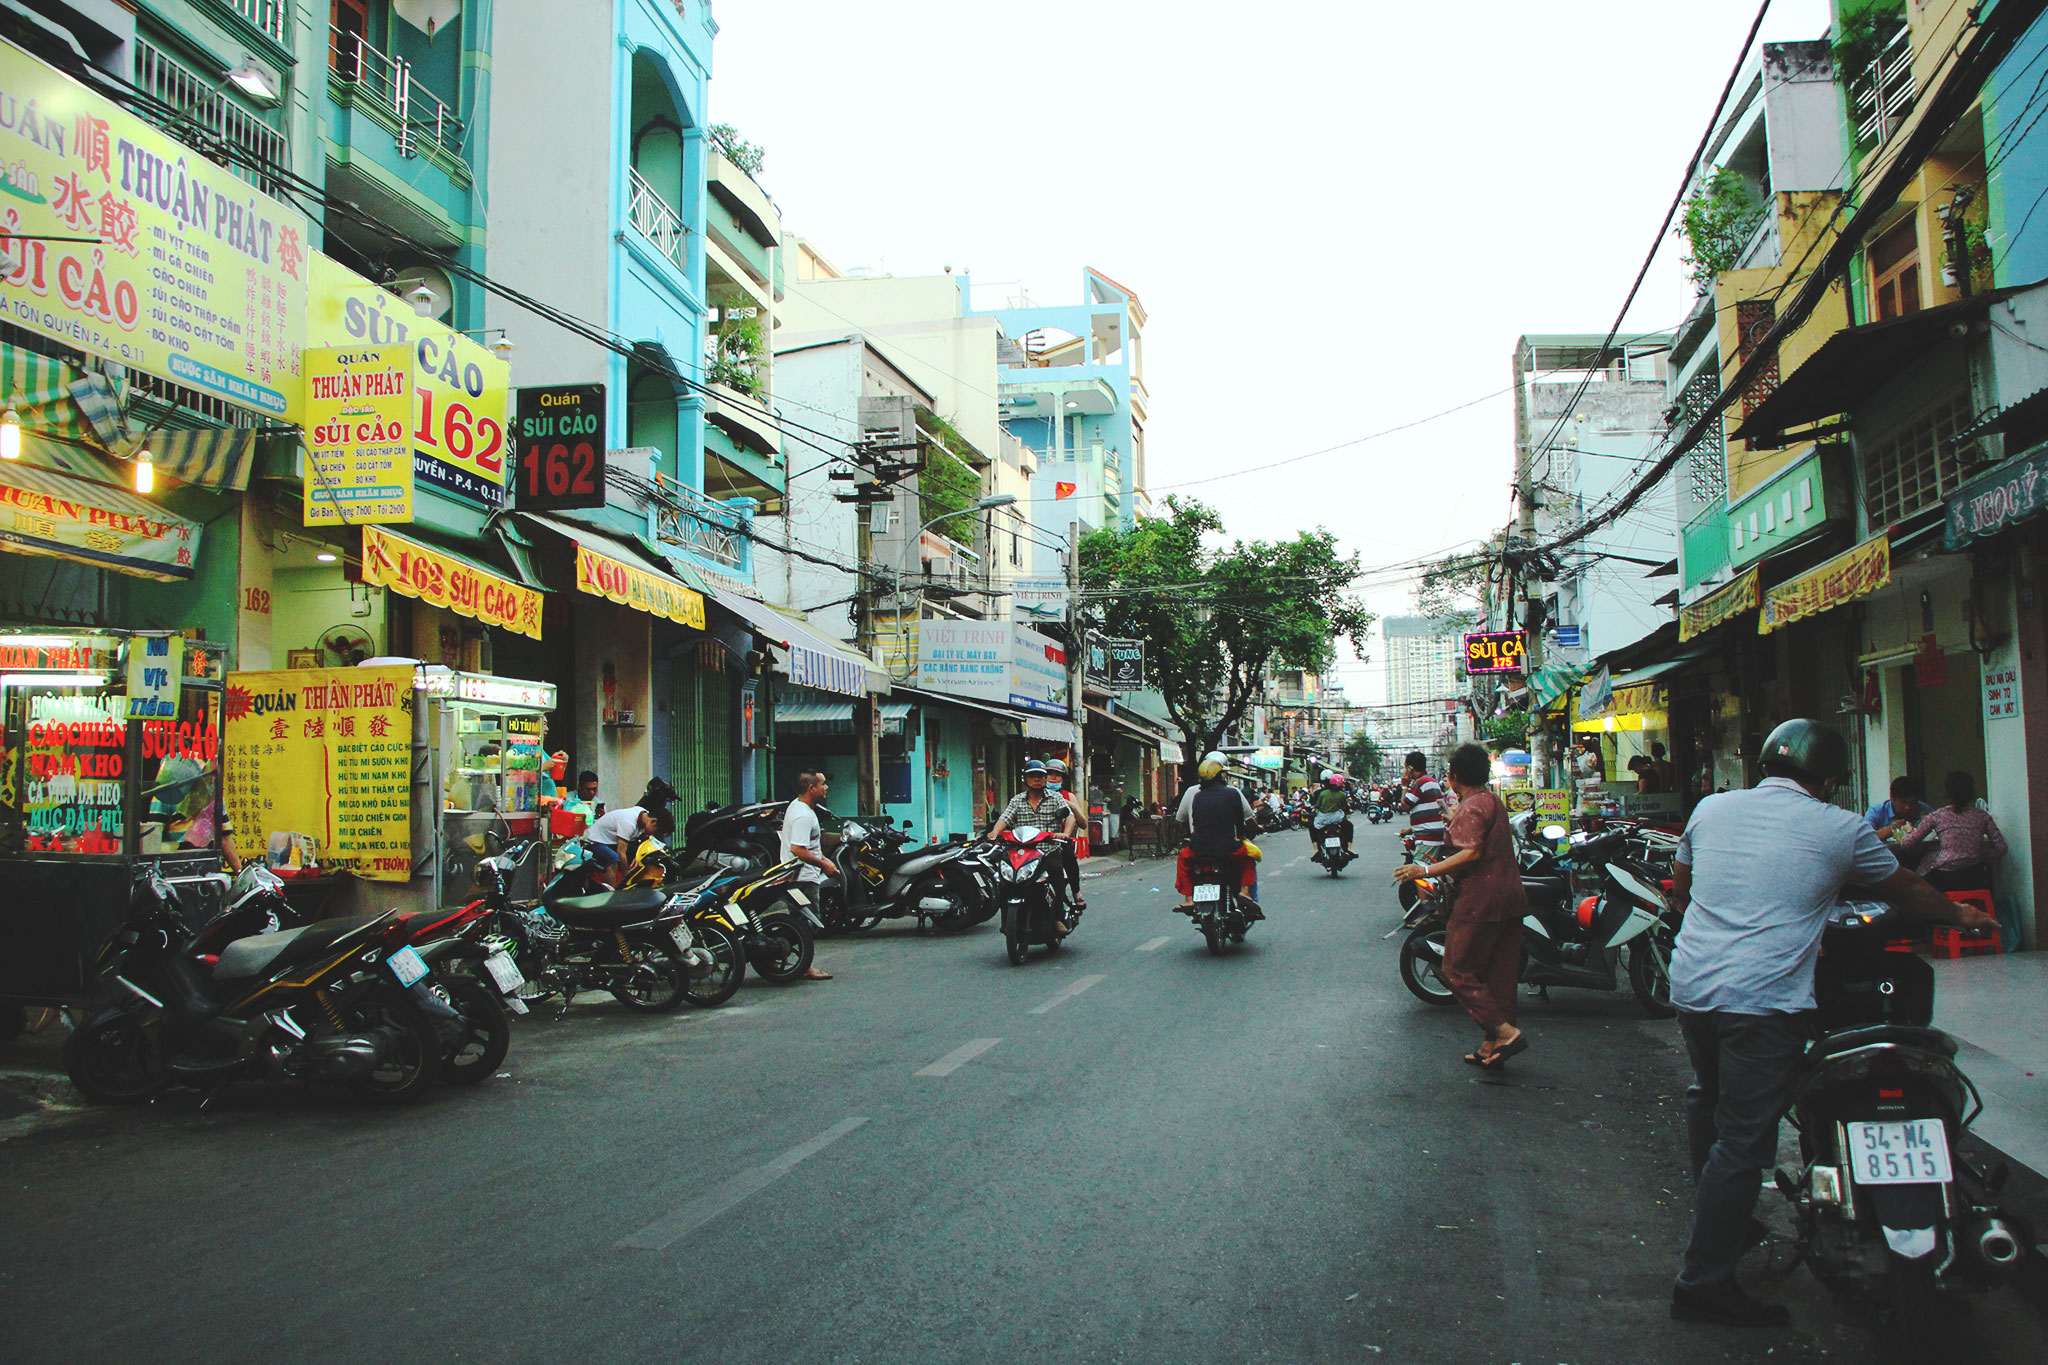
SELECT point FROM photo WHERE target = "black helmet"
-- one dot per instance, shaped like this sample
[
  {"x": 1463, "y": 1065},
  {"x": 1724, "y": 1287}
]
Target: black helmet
[{"x": 1809, "y": 748}]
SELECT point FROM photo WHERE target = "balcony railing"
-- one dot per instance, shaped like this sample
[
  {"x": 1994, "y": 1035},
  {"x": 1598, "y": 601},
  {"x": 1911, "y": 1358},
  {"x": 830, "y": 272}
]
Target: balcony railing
[
  {"x": 202, "y": 106},
  {"x": 712, "y": 531},
  {"x": 274, "y": 17},
  {"x": 1884, "y": 90},
  {"x": 388, "y": 83},
  {"x": 657, "y": 222}
]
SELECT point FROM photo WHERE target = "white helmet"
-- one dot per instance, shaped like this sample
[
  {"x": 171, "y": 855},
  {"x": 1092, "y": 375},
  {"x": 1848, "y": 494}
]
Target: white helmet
[{"x": 1212, "y": 764}]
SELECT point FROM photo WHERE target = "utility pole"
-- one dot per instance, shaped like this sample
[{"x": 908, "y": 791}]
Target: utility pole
[
  {"x": 1519, "y": 576},
  {"x": 1077, "y": 667}
]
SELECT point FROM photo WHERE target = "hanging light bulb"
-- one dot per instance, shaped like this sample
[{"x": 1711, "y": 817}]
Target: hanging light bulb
[
  {"x": 10, "y": 435},
  {"x": 145, "y": 472}
]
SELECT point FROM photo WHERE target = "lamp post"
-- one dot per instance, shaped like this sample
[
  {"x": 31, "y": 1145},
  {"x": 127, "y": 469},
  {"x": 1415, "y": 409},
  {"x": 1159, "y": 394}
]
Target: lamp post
[{"x": 903, "y": 559}]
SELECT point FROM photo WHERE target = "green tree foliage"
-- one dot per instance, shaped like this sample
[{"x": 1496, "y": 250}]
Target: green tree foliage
[
  {"x": 1212, "y": 621},
  {"x": 1362, "y": 756},
  {"x": 746, "y": 155},
  {"x": 1862, "y": 33},
  {"x": 739, "y": 344},
  {"x": 1717, "y": 224},
  {"x": 1451, "y": 591},
  {"x": 946, "y": 483}
]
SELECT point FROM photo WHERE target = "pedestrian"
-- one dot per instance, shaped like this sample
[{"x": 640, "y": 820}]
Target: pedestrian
[
  {"x": 1647, "y": 780},
  {"x": 1423, "y": 798},
  {"x": 615, "y": 837},
  {"x": 804, "y": 840},
  {"x": 1667, "y": 776},
  {"x": 1755, "y": 877},
  {"x": 1483, "y": 941},
  {"x": 1969, "y": 838}
]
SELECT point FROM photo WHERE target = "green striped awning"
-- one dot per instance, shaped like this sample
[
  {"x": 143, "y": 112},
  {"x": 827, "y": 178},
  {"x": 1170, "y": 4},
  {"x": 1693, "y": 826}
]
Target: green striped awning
[
  {"x": 1552, "y": 681},
  {"x": 81, "y": 414}
]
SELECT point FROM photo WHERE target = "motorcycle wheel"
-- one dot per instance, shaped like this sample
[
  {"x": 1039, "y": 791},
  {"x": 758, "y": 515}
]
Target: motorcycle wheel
[
  {"x": 416, "y": 1046},
  {"x": 935, "y": 888},
  {"x": 1419, "y": 972},
  {"x": 116, "y": 1059},
  {"x": 1016, "y": 948},
  {"x": 1648, "y": 978},
  {"x": 783, "y": 945},
  {"x": 1913, "y": 1303},
  {"x": 478, "y": 1040},
  {"x": 652, "y": 982},
  {"x": 716, "y": 982},
  {"x": 1407, "y": 895},
  {"x": 1213, "y": 936}
]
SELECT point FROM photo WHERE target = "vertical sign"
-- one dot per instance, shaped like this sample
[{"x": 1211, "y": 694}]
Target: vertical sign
[
  {"x": 155, "y": 665},
  {"x": 2001, "y": 693},
  {"x": 76, "y": 749},
  {"x": 558, "y": 448},
  {"x": 358, "y": 462}
]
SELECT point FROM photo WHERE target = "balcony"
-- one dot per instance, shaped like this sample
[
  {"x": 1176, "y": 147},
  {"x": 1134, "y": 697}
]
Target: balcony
[
  {"x": 716, "y": 533},
  {"x": 742, "y": 448},
  {"x": 744, "y": 224},
  {"x": 366, "y": 78},
  {"x": 271, "y": 18},
  {"x": 660, "y": 224},
  {"x": 1883, "y": 92}
]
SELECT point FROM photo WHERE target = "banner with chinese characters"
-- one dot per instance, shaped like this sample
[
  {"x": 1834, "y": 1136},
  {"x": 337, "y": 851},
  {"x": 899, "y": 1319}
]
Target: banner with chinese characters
[
  {"x": 94, "y": 523},
  {"x": 655, "y": 594},
  {"x": 1844, "y": 578},
  {"x": 125, "y": 243},
  {"x": 358, "y": 459},
  {"x": 461, "y": 393},
  {"x": 1730, "y": 599},
  {"x": 392, "y": 561},
  {"x": 328, "y": 753}
]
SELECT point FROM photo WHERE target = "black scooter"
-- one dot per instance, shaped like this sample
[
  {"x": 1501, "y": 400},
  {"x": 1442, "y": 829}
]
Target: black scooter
[{"x": 1221, "y": 910}]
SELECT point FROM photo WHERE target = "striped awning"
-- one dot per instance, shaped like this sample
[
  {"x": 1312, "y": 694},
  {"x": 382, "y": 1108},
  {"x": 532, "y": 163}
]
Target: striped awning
[
  {"x": 825, "y": 717},
  {"x": 1552, "y": 681},
  {"x": 803, "y": 656},
  {"x": 81, "y": 414}
]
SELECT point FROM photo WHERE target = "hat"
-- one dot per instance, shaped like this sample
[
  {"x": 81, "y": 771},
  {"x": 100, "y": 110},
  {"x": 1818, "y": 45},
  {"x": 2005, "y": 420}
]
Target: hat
[{"x": 1034, "y": 766}]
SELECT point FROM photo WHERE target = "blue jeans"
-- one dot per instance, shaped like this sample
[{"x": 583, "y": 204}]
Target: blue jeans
[{"x": 1745, "y": 1066}]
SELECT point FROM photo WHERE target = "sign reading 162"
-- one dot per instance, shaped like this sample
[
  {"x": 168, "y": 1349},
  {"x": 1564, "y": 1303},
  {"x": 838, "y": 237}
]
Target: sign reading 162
[
  {"x": 558, "y": 447},
  {"x": 457, "y": 434}
]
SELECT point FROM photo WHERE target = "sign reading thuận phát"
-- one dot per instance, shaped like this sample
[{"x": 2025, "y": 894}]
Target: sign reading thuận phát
[
  {"x": 128, "y": 244},
  {"x": 358, "y": 458}
]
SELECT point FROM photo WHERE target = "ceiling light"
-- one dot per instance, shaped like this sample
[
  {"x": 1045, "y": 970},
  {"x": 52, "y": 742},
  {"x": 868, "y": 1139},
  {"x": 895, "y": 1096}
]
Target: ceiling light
[
  {"x": 10, "y": 435},
  {"x": 324, "y": 557},
  {"x": 1071, "y": 405},
  {"x": 145, "y": 472}
]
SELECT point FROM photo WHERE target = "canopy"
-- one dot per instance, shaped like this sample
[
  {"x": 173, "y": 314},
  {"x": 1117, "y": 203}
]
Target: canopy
[
  {"x": 801, "y": 654},
  {"x": 52, "y": 514}
]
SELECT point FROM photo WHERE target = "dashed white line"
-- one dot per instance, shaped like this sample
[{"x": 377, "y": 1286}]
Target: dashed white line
[
  {"x": 958, "y": 1057},
  {"x": 663, "y": 1233},
  {"x": 1068, "y": 994},
  {"x": 1156, "y": 944}
]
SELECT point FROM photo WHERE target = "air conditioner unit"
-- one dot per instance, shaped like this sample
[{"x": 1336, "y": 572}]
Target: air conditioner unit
[{"x": 880, "y": 518}]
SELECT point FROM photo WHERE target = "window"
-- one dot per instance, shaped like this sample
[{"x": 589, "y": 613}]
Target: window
[
  {"x": 351, "y": 23},
  {"x": 1895, "y": 272},
  {"x": 1915, "y": 466}
]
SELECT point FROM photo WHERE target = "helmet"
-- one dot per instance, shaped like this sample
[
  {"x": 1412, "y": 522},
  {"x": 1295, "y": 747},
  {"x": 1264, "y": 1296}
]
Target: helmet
[
  {"x": 1336, "y": 779},
  {"x": 1057, "y": 767},
  {"x": 1809, "y": 748},
  {"x": 1212, "y": 765},
  {"x": 1034, "y": 766}
]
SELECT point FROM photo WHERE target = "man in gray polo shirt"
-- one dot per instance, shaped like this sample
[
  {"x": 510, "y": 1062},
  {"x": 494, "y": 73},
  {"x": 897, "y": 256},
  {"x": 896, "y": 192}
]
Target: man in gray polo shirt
[{"x": 1755, "y": 876}]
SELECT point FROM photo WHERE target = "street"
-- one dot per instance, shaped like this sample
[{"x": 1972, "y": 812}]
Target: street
[{"x": 1127, "y": 1150}]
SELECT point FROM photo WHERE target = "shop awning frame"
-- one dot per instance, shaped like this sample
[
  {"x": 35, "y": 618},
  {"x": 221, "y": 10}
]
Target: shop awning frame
[
  {"x": 835, "y": 717},
  {"x": 642, "y": 586},
  {"x": 1137, "y": 730},
  {"x": 923, "y": 697},
  {"x": 804, "y": 656}
]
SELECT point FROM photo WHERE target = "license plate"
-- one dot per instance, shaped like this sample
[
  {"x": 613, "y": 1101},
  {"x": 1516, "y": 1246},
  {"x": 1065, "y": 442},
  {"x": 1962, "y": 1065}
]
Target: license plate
[
  {"x": 504, "y": 971},
  {"x": 1209, "y": 891},
  {"x": 1914, "y": 1152},
  {"x": 681, "y": 934},
  {"x": 407, "y": 965},
  {"x": 1333, "y": 843}
]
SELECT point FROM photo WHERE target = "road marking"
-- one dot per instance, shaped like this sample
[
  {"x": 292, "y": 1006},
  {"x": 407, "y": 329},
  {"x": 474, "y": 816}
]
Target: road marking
[
  {"x": 1155, "y": 945},
  {"x": 1068, "y": 994},
  {"x": 958, "y": 1057},
  {"x": 663, "y": 1233}
]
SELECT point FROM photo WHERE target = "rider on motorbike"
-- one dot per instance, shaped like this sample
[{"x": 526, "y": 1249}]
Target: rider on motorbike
[
  {"x": 1331, "y": 808},
  {"x": 1041, "y": 806},
  {"x": 1215, "y": 813}
]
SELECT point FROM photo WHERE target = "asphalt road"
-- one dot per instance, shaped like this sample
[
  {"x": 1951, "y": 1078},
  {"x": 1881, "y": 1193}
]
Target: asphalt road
[{"x": 1127, "y": 1150}]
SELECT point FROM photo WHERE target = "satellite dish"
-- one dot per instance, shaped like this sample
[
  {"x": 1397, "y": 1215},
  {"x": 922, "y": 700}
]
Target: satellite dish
[{"x": 413, "y": 278}]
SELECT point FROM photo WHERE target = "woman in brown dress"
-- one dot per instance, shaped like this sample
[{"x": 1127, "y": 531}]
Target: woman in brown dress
[{"x": 1483, "y": 941}]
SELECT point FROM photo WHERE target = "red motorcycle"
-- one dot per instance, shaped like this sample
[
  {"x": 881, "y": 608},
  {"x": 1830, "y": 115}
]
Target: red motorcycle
[{"x": 1027, "y": 900}]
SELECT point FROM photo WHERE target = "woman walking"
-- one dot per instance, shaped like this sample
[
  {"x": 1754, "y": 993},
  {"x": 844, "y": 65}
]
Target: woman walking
[
  {"x": 1969, "y": 839},
  {"x": 1483, "y": 941}
]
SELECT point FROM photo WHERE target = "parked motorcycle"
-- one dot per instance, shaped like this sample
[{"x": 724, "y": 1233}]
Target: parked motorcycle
[
  {"x": 605, "y": 940},
  {"x": 1221, "y": 910},
  {"x": 325, "y": 1001},
  {"x": 885, "y": 875},
  {"x": 1030, "y": 907},
  {"x": 771, "y": 914},
  {"x": 1890, "y": 1211}
]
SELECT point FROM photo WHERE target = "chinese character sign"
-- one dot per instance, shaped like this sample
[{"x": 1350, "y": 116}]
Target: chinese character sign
[
  {"x": 358, "y": 460},
  {"x": 325, "y": 752},
  {"x": 123, "y": 242}
]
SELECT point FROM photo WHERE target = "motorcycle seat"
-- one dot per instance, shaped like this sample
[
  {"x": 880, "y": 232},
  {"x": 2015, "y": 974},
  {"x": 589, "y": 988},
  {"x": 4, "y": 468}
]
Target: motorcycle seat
[
  {"x": 261, "y": 953},
  {"x": 1546, "y": 888},
  {"x": 1901, "y": 1035},
  {"x": 608, "y": 909}
]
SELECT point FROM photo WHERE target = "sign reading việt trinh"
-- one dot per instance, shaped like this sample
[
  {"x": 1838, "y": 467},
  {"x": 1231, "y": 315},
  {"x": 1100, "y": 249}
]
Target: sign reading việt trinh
[
  {"x": 128, "y": 244},
  {"x": 1494, "y": 651},
  {"x": 358, "y": 460}
]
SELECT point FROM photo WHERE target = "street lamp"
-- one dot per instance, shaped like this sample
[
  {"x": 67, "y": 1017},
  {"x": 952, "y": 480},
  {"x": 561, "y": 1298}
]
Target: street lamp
[{"x": 903, "y": 558}]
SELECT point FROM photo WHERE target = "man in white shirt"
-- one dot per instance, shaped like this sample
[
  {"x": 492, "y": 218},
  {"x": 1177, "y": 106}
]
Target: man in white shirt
[
  {"x": 619, "y": 833},
  {"x": 804, "y": 840}
]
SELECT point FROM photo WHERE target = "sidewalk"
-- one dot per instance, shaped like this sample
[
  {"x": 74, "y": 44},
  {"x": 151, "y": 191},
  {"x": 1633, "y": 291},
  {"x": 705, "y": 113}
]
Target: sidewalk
[{"x": 1992, "y": 1006}]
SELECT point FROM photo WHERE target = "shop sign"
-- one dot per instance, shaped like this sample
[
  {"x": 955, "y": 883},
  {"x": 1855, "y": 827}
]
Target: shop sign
[
  {"x": 655, "y": 594},
  {"x": 1126, "y": 665},
  {"x": 2001, "y": 693},
  {"x": 1930, "y": 665},
  {"x": 325, "y": 753},
  {"x": 1271, "y": 759},
  {"x": 1730, "y": 599},
  {"x": 1495, "y": 651},
  {"x": 558, "y": 448},
  {"x": 1546, "y": 802},
  {"x": 125, "y": 243},
  {"x": 391, "y": 561},
  {"x": 461, "y": 393},
  {"x": 487, "y": 690},
  {"x": 1844, "y": 578},
  {"x": 58, "y": 653},
  {"x": 1039, "y": 598},
  {"x": 1038, "y": 678},
  {"x": 358, "y": 458},
  {"x": 45, "y": 513},
  {"x": 965, "y": 659},
  {"x": 1988, "y": 504},
  {"x": 156, "y": 670},
  {"x": 1637, "y": 698}
]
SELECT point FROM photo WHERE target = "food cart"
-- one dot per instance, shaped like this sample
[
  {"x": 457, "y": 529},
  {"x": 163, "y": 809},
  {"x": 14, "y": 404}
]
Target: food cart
[
  {"x": 485, "y": 735},
  {"x": 110, "y": 758}
]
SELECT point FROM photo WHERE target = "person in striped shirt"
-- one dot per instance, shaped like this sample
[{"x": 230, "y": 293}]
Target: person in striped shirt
[{"x": 1423, "y": 798}]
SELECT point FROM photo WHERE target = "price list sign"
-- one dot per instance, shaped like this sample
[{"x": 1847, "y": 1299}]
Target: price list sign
[{"x": 328, "y": 753}]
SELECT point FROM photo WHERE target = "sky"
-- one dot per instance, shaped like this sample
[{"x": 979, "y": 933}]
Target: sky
[{"x": 1339, "y": 216}]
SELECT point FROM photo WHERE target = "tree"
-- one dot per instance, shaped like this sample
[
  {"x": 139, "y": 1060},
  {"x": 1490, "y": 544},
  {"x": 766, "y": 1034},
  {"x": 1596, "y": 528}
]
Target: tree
[
  {"x": 1453, "y": 591},
  {"x": 748, "y": 156},
  {"x": 1362, "y": 755},
  {"x": 1213, "y": 621}
]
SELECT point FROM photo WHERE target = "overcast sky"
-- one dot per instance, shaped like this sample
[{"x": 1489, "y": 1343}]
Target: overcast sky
[{"x": 1339, "y": 216}]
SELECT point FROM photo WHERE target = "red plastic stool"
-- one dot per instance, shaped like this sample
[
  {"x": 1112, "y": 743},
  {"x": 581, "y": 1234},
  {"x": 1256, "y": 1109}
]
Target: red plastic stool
[{"x": 1952, "y": 942}]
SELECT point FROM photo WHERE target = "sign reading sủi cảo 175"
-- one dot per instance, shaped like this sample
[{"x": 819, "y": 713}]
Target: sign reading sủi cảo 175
[{"x": 126, "y": 243}]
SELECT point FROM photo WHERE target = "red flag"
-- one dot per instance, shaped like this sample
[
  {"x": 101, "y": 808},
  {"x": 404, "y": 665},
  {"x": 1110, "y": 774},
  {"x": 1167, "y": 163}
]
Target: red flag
[{"x": 1063, "y": 490}]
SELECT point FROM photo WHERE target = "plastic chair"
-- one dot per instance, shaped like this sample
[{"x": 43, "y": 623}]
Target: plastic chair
[{"x": 1952, "y": 942}]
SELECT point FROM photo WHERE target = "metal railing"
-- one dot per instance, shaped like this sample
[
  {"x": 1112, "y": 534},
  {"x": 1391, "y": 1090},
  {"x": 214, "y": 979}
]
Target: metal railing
[
  {"x": 388, "y": 82},
  {"x": 202, "y": 106},
  {"x": 657, "y": 222},
  {"x": 1884, "y": 89},
  {"x": 713, "y": 531},
  {"x": 274, "y": 17}
]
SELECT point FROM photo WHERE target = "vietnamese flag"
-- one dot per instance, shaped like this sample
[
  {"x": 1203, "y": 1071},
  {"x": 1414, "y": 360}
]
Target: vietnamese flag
[{"x": 1063, "y": 490}]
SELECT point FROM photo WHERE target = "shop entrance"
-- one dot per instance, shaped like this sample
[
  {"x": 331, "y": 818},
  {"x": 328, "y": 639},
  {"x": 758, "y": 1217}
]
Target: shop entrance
[
  {"x": 1944, "y": 723},
  {"x": 702, "y": 712}
]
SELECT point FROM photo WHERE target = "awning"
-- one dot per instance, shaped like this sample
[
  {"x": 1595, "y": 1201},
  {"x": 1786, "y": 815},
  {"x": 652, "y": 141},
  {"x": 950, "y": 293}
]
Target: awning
[
  {"x": 1656, "y": 670},
  {"x": 921, "y": 695},
  {"x": 607, "y": 568},
  {"x": 1552, "y": 681},
  {"x": 443, "y": 578},
  {"x": 1847, "y": 576},
  {"x": 1051, "y": 729},
  {"x": 45, "y": 513},
  {"x": 802, "y": 655},
  {"x": 1171, "y": 752},
  {"x": 1732, "y": 598},
  {"x": 1137, "y": 730},
  {"x": 834, "y": 717}
]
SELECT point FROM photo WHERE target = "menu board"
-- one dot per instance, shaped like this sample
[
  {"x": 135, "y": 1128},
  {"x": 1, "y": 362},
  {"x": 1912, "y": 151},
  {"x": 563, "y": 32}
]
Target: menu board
[
  {"x": 325, "y": 753},
  {"x": 358, "y": 460},
  {"x": 73, "y": 773}
]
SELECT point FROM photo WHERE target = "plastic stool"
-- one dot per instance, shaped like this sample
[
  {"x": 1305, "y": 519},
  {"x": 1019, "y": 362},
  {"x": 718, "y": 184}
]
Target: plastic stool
[{"x": 1952, "y": 942}]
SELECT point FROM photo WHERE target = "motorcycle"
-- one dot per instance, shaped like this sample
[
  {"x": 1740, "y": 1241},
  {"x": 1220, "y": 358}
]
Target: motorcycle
[
  {"x": 1329, "y": 835},
  {"x": 769, "y": 914},
  {"x": 882, "y": 876},
  {"x": 1620, "y": 933},
  {"x": 1889, "y": 1210},
  {"x": 327, "y": 1001},
  {"x": 1221, "y": 910},
  {"x": 1024, "y": 891}
]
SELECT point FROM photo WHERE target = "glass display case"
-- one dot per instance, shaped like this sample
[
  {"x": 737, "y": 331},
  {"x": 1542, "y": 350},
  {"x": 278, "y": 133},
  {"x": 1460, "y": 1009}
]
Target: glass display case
[{"x": 487, "y": 738}]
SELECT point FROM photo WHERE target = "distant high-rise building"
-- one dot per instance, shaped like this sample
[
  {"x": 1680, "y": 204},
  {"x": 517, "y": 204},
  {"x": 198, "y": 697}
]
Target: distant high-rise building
[{"x": 1422, "y": 654}]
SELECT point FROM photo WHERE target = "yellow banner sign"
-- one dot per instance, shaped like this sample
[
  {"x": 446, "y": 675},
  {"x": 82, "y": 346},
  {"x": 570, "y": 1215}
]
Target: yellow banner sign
[
  {"x": 358, "y": 461},
  {"x": 1637, "y": 697},
  {"x": 1730, "y": 599},
  {"x": 460, "y": 391},
  {"x": 392, "y": 561},
  {"x": 183, "y": 270},
  {"x": 327, "y": 753},
  {"x": 606, "y": 577},
  {"x": 1844, "y": 578}
]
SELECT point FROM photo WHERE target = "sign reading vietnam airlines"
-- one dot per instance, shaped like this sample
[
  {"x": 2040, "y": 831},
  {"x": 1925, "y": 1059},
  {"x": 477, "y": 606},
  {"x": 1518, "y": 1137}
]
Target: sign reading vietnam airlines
[
  {"x": 358, "y": 465},
  {"x": 1495, "y": 651},
  {"x": 120, "y": 241},
  {"x": 460, "y": 391}
]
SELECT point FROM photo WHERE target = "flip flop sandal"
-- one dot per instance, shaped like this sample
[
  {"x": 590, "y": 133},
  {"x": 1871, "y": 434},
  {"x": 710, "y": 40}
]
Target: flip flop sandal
[
  {"x": 815, "y": 975},
  {"x": 1506, "y": 1050},
  {"x": 1474, "y": 1059}
]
